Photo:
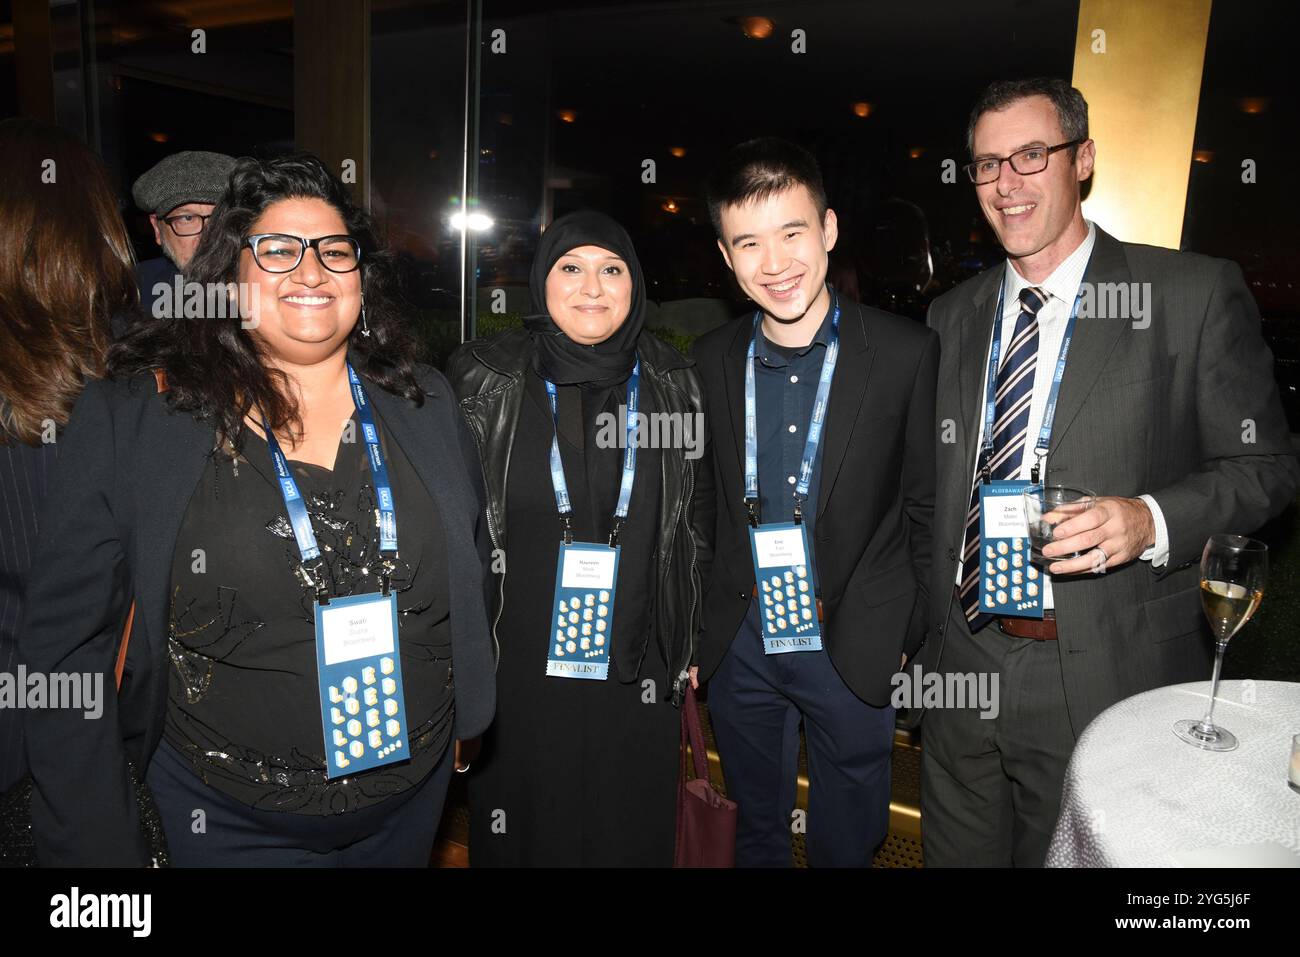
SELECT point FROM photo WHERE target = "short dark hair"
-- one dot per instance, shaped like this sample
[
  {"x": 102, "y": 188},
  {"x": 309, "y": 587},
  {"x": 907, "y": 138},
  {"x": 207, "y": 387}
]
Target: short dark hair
[
  {"x": 757, "y": 169},
  {"x": 1071, "y": 107}
]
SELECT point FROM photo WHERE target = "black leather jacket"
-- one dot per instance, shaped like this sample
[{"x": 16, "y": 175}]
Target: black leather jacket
[{"x": 488, "y": 377}]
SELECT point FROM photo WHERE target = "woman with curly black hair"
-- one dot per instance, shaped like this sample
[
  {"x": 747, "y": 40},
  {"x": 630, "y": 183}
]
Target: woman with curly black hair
[{"x": 294, "y": 506}]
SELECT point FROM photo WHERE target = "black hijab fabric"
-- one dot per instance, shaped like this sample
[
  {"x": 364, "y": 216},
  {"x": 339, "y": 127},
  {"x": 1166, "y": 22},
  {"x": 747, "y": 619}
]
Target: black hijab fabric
[{"x": 559, "y": 358}]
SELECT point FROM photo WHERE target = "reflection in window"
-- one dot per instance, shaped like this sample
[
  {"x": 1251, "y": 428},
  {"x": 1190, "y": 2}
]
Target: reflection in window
[
  {"x": 1243, "y": 192},
  {"x": 150, "y": 93},
  {"x": 626, "y": 110},
  {"x": 417, "y": 135}
]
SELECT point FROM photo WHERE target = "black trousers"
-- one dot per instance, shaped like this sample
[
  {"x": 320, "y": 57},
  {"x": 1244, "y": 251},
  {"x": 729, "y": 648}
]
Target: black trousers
[
  {"x": 397, "y": 832},
  {"x": 991, "y": 787},
  {"x": 756, "y": 702}
]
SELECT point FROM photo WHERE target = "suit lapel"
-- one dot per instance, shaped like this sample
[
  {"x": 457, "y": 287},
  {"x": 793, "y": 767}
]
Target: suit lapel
[
  {"x": 733, "y": 365},
  {"x": 1094, "y": 339},
  {"x": 424, "y": 445},
  {"x": 848, "y": 386},
  {"x": 974, "y": 335}
]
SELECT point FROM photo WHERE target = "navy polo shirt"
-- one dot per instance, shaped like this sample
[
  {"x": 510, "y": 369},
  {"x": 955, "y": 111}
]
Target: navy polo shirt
[{"x": 785, "y": 389}]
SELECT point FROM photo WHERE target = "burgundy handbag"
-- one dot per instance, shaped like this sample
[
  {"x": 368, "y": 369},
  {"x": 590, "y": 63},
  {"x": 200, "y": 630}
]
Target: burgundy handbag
[{"x": 706, "y": 821}]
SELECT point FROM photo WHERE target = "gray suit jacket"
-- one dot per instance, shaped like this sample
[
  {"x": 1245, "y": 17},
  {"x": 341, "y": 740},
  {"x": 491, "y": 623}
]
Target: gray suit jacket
[{"x": 1185, "y": 409}]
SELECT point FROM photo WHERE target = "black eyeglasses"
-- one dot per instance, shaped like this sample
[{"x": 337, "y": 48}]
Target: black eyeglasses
[
  {"x": 1026, "y": 162},
  {"x": 280, "y": 252},
  {"x": 186, "y": 224}
]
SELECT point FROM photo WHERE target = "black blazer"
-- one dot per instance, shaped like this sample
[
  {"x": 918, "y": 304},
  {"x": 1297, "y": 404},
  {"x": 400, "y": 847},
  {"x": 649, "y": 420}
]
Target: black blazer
[
  {"x": 876, "y": 499},
  {"x": 128, "y": 465},
  {"x": 24, "y": 475}
]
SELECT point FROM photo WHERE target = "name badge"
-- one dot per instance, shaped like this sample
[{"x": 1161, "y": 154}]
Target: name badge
[
  {"x": 1010, "y": 584},
  {"x": 363, "y": 711},
  {"x": 787, "y": 598},
  {"x": 582, "y": 611}
]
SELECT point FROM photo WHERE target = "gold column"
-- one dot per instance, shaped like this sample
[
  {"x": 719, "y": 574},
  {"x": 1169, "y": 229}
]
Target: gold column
[
  {"x": 331, "y": 86},
  {"x": 1138, "y": 64}
]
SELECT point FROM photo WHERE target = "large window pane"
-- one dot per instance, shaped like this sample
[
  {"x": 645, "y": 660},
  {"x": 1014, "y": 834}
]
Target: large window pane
[
  {"x": 417, "y": 102},
  {"x": 574, "y": 103},
  {"x": 1243, "y": 193},
  {"x": 154, "y": 87}
]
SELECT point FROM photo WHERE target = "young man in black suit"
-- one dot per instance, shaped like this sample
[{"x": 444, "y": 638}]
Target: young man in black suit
[{"x": 851, "y": 509}]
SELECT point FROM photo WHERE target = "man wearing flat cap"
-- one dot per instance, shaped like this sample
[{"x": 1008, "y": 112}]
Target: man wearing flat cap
[{"x": 179, "y": 194}]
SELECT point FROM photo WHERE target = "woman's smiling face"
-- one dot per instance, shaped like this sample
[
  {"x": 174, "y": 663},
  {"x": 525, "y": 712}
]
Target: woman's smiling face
[
  {"x": 305, "y": 315},
  {"x": 589, "y": 294}
]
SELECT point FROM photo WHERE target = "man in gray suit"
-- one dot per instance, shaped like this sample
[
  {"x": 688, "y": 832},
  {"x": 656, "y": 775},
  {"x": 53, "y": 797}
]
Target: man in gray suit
[{"x": 1168, "y": 411}]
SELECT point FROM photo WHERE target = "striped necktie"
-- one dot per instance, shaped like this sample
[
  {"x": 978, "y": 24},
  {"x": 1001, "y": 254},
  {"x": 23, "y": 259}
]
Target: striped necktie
[{"x": 1013, "y": 396}]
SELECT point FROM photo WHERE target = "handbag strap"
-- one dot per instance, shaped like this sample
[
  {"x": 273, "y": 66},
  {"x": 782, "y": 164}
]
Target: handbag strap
[
  {"x": 693, "y": 735},
  {"x": 160, "y": 382},
  {"x": 121, "y": 650}
]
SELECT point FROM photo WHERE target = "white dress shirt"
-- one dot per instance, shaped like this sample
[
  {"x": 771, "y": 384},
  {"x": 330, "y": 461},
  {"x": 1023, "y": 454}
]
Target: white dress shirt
[{"x": 1062, "y": 286}]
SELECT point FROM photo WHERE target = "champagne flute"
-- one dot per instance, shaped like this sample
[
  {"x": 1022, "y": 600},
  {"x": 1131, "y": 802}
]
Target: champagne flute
[
  {"x": 1233, "y": 572},
  {"x": 1061, "y": 502}
]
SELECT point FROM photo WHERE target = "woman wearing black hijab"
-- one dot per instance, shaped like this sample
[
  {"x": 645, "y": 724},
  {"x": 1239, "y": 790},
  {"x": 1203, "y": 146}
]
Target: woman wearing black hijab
[{"x": 584, "y": 772}]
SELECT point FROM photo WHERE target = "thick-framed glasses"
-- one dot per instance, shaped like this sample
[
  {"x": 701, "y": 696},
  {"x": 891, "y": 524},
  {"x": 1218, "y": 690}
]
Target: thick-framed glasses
[
  {"x": 280, "y": 252},
  {"x": 186, "y": 224},
  {"x": 1026, "y": 162}
]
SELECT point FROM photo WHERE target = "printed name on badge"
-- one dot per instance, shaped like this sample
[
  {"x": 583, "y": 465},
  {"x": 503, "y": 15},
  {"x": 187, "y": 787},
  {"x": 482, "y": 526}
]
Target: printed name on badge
[
  {"x": 588, "y": 569},
  {"x": 1006, "y": 517},
  {"x": 780, "y": 548},
  {"x": 357, "y": 631}
]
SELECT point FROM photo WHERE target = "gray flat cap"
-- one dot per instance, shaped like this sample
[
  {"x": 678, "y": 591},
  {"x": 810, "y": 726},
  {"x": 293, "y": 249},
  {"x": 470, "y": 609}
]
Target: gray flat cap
[{"x": 193, "y": 176}]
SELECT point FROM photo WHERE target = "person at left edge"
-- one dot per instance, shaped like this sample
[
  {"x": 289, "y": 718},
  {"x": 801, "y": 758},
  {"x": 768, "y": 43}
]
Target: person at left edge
[
  {"x": 65, "y": 282},
  {"x": 584, "y": 772},
  {"x": 867, "y": 512},
  {"x": 172, "y": 500},
  {"x": 179, "y": 194}
]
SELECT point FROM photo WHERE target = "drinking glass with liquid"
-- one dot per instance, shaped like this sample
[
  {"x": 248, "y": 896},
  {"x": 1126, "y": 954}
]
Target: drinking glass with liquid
[
  {"x": 1233, "y": 572},
  {"x": 1047, "y": 506}
]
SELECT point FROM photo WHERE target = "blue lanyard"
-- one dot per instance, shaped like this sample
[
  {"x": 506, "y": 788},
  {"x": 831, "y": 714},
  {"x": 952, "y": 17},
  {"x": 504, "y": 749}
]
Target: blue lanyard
[
  {"x": 629, "y": 460},
  {"x": 298, "y": 517},
  {"x": 814, "y": 428},
  {"x": 991, "y": 380}
]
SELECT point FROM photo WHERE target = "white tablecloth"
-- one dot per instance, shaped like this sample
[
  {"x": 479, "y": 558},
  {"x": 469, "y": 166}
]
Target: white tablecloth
[{"x": 1137, "y": 796}]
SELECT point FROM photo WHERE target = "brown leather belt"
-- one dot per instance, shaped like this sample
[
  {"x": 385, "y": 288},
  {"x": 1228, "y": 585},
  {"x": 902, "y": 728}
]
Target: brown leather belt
[
  {"x": 1044, "y": 630},
  {"x": 820, "y": 615}
]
